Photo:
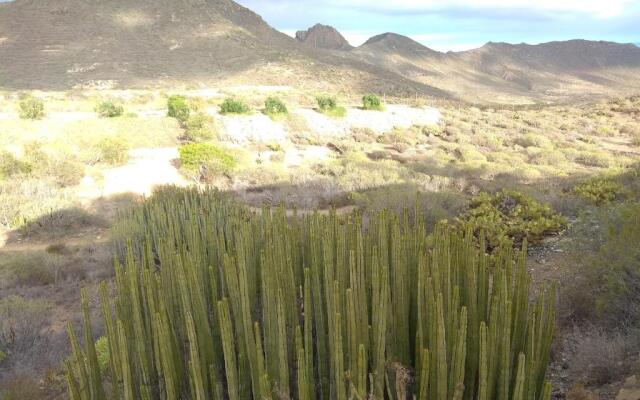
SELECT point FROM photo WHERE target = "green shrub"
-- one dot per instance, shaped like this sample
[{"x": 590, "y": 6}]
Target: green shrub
[
  {"x": 372, "y": 102},
  {"x": 31, "y": 108},
  {"x": 600, "y": 191},
  {"x": 107, "y": 109},
  {"x": 614, "y": 272},
  {"x": 510, "y": 216},
  {"x": 178, "y": 108},
  {"x": 206, "y": 161},
  {"x": 199, "y": 127},
  {"x": 274, "y": 106},
  {"x": 293, "y": 307},
  {"x": 328, "y": 106},
  {"x": 113, "y": 150},
  {"x": 326, "y": 103},
  {"x": 233, "y": 106}
]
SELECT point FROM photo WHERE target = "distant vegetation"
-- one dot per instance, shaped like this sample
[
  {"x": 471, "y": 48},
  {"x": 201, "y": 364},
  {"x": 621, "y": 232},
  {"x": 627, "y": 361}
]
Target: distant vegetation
[
  {"x": 329, "y": 106},
  {"x": 372, "y": 102},
  {"x": 31, "y": 108},
  {"x": 258, "y": 305},
  {"x": 108, "y": 109},
  {"x": 205, "y": 161},
  {"x": 233, "y": 106},
  {"x": 178, "y": 108},
  {"x": 600, "y": 191},
  {"x": 113, "y": 150},
  {"x": 273, "y": 106},
  {"x": 199, "y": 127}
]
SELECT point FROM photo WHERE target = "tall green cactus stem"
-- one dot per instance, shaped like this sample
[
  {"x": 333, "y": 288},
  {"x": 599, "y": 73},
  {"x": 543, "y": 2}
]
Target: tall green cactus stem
[{"x": 214, "y": 301}]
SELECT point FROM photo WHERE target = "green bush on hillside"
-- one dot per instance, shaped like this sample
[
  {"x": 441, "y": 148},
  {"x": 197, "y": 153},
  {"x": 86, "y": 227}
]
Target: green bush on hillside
[
  {"x": 600, "y": 191},
  {"x": 372, "y": 102},
  {"x": 113, "y": 150},
  {"x": 328, "y": 105},
  {"x": 199, "y": 127},
  {"x": 31, "y": 108},
  {"x": 178, "y": 108},
  {"x": 233, "y": 106},
  {"x": 107, "y": 109},
  {"x": 216, "y": 301},
  {"x": 274, "y": 106},
  {"x": 206, "y": 161},
  {"x": 510, "y": 216}
]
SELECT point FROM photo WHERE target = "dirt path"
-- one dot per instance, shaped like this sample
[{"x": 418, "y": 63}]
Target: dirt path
[{"x": 146, "y": 169}]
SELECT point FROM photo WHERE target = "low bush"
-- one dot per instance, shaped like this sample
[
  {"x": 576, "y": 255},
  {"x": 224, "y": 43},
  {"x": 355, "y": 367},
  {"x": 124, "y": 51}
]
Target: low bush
[
  {"x": 23, "y": 325},
  {"x": 199, "y": 127},
  {"x": 510, "y": 216},
  {"x": 31, "y": 108},
  {"x": 326, "y": 103},
  {"x": 233, "y": 106},
  {"x": 113, "y": 150},
  {"x": 372, "y": 102},
  {"x": 10, "y": 165},
  {"x": 615, "y": 270},
  {"x": 600, "y": 191},
  {"x": 63, "y": 169},
  {"x": 107, "y": 109},
  {"x": 273, "y": 106},
  {"x": 205, "y": 161},
  {"x": 328, "y": 106},
  {"x": 178, "y": 108}
]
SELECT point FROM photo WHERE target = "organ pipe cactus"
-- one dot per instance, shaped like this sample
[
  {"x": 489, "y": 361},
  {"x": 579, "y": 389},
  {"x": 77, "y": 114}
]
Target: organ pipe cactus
[{"x": 214, "y": 301}]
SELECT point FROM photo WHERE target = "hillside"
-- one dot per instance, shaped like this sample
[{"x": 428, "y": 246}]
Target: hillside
[
  {"x": 61, "y": 44},
  {"x": 323, "y": 37},
  {"x": 506, "y": 72},
  {"x": 64, "y": 44}
]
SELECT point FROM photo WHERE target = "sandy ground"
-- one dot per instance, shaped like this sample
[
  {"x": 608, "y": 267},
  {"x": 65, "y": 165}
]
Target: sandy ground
[
  {"x": 380, "y": 122},
  {"x": 146, "y": 169}
]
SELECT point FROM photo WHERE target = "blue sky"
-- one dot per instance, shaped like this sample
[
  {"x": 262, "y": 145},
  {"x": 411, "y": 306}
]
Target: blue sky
[{"x": 460, "y": 25}]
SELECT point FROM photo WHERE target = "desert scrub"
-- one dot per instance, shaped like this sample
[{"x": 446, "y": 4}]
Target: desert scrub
[
  {"x": 64, "y": 169},
  {"x": 178, "y": 108},
  {"x": 328, "y": 106},
  {"x": 233, "y": 106},
  {"x": 108, "y": 109},
  {"x": 510, "y": 216},
  {"x": 31, "y": 108},
  {"x": 113, "y": 150},
  {"x": 311, "y": 307},
  {"x": 205, "y": 161},
  {"x": 600, "y": 191},
  {"x": 10, "y": 165},
  {"x": 372, "y": 102},
  {"x": 23, "y": 325},
  {"x": 199, "y": 127},
  {"x": 274, "y": 107}
]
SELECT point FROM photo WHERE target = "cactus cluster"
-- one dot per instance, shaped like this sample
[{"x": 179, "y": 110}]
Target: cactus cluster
[{"x": 214, "y": 301}]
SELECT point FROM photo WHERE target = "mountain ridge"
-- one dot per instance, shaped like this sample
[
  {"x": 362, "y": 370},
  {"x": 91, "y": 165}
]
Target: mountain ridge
[{"x": 63, "y": 44}]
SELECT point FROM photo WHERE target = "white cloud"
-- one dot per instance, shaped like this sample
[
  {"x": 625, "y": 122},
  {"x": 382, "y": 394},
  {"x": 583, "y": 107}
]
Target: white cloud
[{"x": 595, "y": 8}]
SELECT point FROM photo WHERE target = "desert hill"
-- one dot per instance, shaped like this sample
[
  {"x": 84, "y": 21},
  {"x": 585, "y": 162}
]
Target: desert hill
[
  {"x": 62, "y": 44},
  {"x": 323, "y": 37}
]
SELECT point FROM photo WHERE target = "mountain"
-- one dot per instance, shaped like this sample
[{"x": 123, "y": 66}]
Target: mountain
[
  {"x": 323, "y": 37},
  {"x": 502, "y": 72},
  {"x": 62, "y": 44}
]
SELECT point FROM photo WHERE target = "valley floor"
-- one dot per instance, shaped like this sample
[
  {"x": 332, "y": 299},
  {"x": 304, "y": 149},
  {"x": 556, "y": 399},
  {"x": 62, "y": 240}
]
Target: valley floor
[{"x": 66, "y": 178}]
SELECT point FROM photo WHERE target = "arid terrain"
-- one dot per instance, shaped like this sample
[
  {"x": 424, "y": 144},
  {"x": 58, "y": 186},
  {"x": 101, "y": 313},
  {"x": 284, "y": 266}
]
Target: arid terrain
[{"x": 128, "y": 130}]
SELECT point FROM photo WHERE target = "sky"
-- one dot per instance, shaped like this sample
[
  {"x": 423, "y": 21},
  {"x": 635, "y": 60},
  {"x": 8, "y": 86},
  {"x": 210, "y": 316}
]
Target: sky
[{"x": 454, "y": 25}]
